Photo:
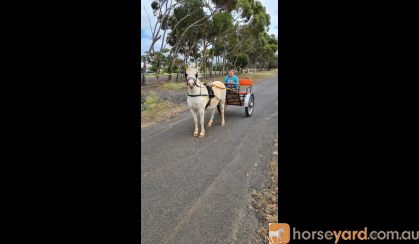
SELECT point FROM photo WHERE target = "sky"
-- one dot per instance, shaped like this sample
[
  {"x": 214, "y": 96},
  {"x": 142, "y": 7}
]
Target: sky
[{"x": 270, "y": 5}]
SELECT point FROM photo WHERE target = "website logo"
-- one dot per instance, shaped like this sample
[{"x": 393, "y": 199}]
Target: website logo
[{"x": 279, "y": 233}]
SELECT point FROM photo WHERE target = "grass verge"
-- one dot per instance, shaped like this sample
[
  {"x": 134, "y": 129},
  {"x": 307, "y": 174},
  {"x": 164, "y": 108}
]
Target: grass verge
[
  {"x": 155, "y": 110},
  {"x": 265, "y": 201},
  {"x": 256, "y": 77},
  {"x": 173, "y": 86}
]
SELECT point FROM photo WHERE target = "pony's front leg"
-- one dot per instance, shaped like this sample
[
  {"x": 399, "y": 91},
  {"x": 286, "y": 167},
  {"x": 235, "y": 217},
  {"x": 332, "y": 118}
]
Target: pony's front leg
[
  {"x": 195, "y": 119},
  {"x": 222, "y": 108},
  {"x": 202, "y": 118}
]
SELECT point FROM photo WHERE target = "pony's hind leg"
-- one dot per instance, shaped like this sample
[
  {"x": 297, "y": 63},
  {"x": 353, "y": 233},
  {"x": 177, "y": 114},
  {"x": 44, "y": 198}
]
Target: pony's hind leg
[
  {"x": 195, "y": 119},
  {"x": 222, "y": 108},
  {"x": 212, "y": 117},
  {"x": 201, "y": 118},
  {"x": 212, "y": 106}
]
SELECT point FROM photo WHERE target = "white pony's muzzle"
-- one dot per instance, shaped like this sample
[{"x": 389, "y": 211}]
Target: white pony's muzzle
[{"x": 191, "y": 82}]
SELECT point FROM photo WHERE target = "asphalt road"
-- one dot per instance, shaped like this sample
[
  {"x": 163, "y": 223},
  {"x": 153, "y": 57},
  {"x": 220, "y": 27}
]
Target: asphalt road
[{"x": 196, "y": 190}]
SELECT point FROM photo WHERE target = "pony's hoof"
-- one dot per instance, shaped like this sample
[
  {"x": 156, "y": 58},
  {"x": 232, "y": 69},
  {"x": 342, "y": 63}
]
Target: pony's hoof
[
  {"x": 209, "y": 125},
  {"x": 222, "y": 124},
  {"x": 201, "y": 135},
  {"x": 195, "y": 134}
]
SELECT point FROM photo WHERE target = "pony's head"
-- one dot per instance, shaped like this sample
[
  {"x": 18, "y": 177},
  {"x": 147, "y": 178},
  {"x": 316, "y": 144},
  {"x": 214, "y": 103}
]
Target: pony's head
[{"x": 192, "y": 75}]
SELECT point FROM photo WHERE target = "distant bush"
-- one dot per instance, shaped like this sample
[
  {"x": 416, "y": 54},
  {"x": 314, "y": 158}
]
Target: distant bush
[{"x": 151, "y": 101}]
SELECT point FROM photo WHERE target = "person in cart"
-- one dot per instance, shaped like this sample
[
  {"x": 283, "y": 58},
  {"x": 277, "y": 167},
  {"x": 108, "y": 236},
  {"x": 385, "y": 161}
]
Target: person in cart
[{"x": 231, "y": 81}]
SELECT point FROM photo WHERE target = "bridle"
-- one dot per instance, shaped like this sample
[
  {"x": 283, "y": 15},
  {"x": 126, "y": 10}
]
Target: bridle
[
  {"x": 194, "y": 81},
  {"x": 195, "y": 84}
]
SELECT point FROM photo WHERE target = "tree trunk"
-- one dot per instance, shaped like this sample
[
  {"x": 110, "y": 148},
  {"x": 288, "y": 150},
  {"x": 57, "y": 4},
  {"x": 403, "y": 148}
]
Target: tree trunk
[
  {"x": 169, "y": 77},
  {"x": 216, "y": 66},
  {"x": 162, "y": 44},
  {"x": 235, "y": 61},
  {"x": 220, "y": 66},
  {"x": 173, "y": 56},
  {"x": 224, "y": 57},
  {"x": 157, "y": 73},
  {"x": 218, "y": 69},
  {"x": 143, "y": 74},
  {"x": 159, "y": 62},
  {"x": 204, "y": 59},
  {"x": 212, "y": 60},
  {"x": 145, "y": 69},
  {"x": 211, "y": 67}
]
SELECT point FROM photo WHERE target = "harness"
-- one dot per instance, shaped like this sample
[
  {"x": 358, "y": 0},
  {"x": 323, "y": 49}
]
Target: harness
[
  {"x": 195, "y": 84},
  {"x": 208, "y": 86},
  {"x": 209, "y": 89}
]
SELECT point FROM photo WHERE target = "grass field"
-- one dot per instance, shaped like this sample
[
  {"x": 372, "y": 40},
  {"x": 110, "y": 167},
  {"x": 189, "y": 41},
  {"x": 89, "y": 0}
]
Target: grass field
[
  {"x": 173, "y": 86},
  {"x": 155, "y": 110},
  {"x": 153, "y": 75}
]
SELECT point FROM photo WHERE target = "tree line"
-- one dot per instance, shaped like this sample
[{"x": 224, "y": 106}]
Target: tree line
[{"x": 216, "y": 34}]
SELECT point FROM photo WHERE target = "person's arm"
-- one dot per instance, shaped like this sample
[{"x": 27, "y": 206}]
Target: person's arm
[
  {"x": 236, "y": 80},
  {"x": 226, "y": 79}
]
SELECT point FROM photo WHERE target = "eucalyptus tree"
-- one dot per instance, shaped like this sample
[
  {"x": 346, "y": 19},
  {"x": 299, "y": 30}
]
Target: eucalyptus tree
[
  {"x": 183, "y": 24},
  {"x": 162, "y": 9}
]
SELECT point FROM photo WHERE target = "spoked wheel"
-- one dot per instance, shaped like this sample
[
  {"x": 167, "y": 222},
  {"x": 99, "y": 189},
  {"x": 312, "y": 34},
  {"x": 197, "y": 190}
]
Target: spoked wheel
[{"x": 249, "y": 108}]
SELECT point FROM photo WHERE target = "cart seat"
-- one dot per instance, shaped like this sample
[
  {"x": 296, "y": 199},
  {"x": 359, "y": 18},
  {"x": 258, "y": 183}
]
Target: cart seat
[{"x": 245, "y": 82}]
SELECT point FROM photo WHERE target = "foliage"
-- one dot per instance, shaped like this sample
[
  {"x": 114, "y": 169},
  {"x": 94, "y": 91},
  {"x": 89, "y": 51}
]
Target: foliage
[
  {"x": 217, "y": 34},
  {"x": 242, "y": 60}
]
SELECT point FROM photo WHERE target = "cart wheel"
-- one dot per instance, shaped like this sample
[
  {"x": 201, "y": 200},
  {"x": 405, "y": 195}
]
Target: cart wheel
[{"x": 249, "y": 109}]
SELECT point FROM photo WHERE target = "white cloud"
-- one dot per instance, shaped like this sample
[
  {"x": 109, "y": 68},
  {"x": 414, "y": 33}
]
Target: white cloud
[{"x": 272, "y": 9}]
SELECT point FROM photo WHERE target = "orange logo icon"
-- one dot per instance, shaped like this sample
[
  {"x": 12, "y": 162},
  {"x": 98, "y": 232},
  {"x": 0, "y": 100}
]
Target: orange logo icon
[{"x": 279, "y": 233}]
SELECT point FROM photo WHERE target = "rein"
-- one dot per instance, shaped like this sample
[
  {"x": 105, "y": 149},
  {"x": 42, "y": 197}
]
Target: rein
[{"x": 200, "y": 88}]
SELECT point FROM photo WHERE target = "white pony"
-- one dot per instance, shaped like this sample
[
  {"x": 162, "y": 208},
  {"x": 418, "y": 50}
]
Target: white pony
[
  {"x": 199, "y": 99},
  {"x": 277, "y": 234}
]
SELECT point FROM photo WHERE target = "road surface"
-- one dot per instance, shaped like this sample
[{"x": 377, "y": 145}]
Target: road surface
[{"x": 196, "y": 190}]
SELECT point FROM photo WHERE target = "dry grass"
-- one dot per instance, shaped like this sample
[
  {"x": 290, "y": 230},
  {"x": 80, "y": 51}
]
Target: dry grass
[
  {"x": 173, "y": 86},
  {"x": 274, "y": 172},
  {"x": 265, "y": 202},
  {"x": 259, "y": 76},
  {"x": 161, "y": 114},
  {"x": 156, "y": 110}
]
